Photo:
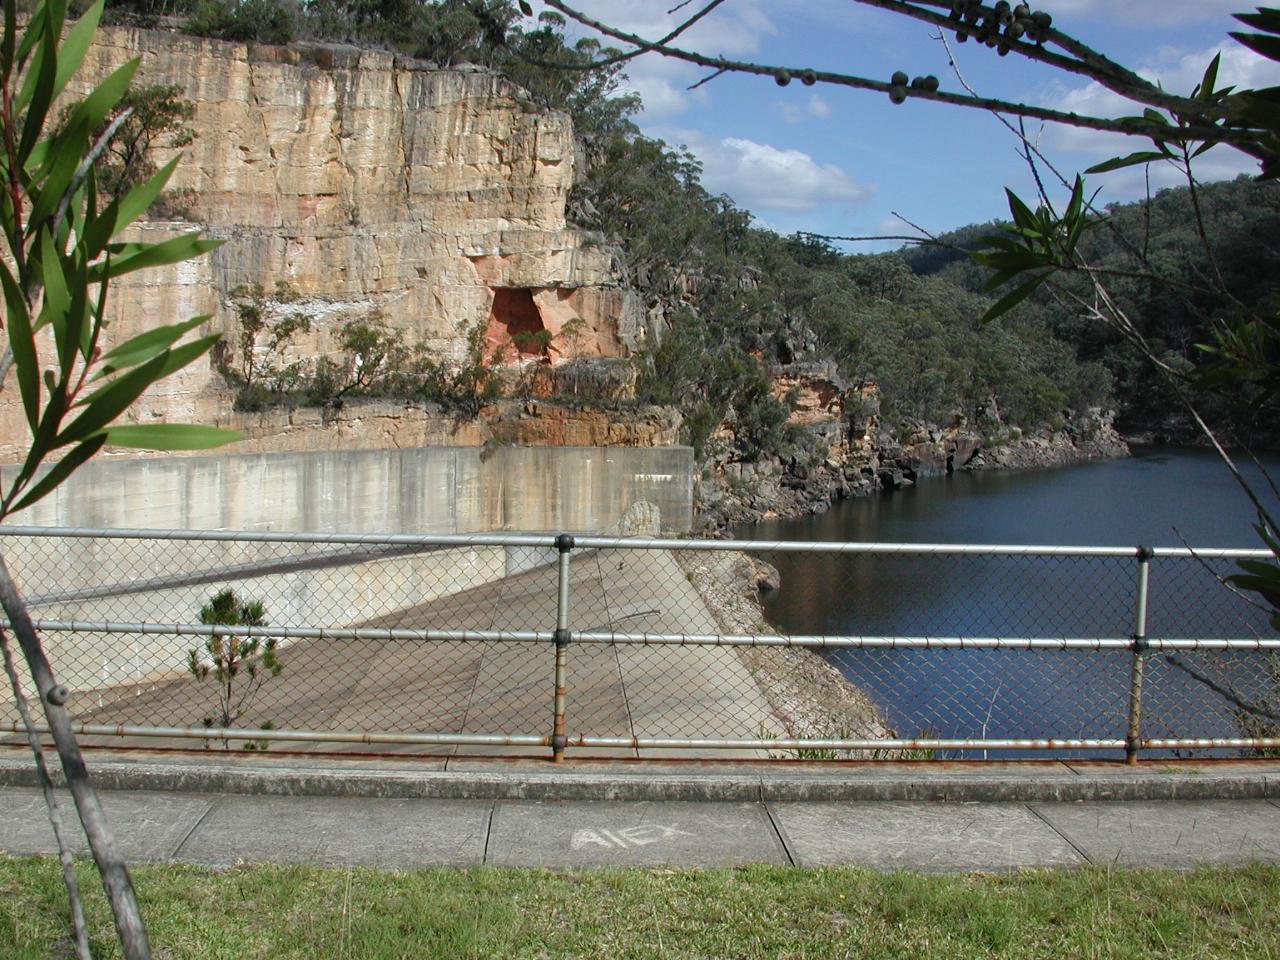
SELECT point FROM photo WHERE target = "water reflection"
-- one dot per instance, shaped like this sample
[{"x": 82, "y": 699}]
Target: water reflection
[{"x": 1160, "y": 498}]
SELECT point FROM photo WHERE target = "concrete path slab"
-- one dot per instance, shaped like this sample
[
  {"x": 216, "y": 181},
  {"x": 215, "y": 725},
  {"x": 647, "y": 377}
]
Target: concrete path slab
[
  {"x": 392, "y": 834},
  {"x": 603, "y": 834},
  {"x": 146, "y": 826},
  {"x": 920, "y": 836},
  {"x": 1169, "y": 834}
]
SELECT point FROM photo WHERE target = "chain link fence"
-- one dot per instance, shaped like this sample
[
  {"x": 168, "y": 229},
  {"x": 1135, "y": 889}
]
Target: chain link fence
[{"x": 547, "y": 645}]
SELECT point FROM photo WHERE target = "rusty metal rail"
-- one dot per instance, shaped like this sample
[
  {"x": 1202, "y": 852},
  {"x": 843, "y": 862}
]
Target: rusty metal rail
[{"x": 457, "y": 642}]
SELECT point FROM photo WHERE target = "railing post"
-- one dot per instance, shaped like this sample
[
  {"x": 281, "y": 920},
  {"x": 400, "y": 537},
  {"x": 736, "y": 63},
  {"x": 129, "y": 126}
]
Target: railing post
[
  {"x": 564, "y": 544},
  {"x": 1134, "y": 737}
]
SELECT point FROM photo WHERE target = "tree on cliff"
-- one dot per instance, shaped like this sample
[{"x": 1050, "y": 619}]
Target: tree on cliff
[{"x": 63, "y": 248}]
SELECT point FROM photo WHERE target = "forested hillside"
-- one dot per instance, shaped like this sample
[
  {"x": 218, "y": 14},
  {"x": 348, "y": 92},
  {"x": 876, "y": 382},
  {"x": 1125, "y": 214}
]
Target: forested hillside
[{"x": 1170, "y": 281}]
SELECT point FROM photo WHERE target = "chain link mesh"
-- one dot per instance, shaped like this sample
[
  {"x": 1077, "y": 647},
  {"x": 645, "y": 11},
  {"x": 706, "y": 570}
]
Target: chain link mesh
[{"x": 626, "y": 679}]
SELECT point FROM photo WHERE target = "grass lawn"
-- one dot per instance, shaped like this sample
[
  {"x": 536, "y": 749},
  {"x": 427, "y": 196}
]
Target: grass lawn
[{"x": 314, "y": 913}]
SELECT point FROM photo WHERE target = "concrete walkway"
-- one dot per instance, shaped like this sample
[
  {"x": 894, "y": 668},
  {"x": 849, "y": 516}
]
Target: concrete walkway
[
  {"x": 222, "y": 829},
  {"x": 402, "y": 814}
]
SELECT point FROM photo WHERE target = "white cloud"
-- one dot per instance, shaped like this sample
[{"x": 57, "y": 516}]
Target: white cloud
[
  {"x": 762, "y": 177},
  {"x": 1175, "y": 71},
  {"x": 816, "y": 108}
]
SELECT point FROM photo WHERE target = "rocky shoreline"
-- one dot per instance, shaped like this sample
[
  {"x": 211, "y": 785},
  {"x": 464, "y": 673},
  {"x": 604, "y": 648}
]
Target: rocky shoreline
[
  {"x": 808, "y": 694},
  {"x": 729, "y": 494}
]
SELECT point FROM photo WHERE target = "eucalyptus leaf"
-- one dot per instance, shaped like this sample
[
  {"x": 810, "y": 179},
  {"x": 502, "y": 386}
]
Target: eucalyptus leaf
[
  {"x": 61, "y": 470},
  {"x": 26, "y": 361},
  {"x": 171, "y": 436},
  {"x": 131, "y": 257},
  {"x": 1119, "y": 163},
  {"x": 146, "y": 345},
  {"x": 1011, "y": 300}
]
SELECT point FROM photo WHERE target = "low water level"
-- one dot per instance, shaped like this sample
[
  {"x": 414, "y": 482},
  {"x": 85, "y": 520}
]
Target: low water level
[{"x": 1157, "y": 497}]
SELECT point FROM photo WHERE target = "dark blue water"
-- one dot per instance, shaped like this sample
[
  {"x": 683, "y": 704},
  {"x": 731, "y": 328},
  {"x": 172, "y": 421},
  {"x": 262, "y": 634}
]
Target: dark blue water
[{"x": 1157, "y": 497}]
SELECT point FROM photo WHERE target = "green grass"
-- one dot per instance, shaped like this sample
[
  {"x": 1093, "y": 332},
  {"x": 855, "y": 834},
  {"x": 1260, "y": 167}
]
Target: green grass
[{"x": 316, "y": 914}]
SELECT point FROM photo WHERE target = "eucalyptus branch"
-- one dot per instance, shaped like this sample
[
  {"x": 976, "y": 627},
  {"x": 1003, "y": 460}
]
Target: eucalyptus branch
[
  {"x": 1084, "y": 61},
  {"x": 65, "y": 856},
  {"x": 86, "y": 163},
  {"x": 1035, "y": 151},
  {"x": 115, "y": 875},
  {"x": 1199, "y": 218},
  {"x": 1243, "y": 138}
]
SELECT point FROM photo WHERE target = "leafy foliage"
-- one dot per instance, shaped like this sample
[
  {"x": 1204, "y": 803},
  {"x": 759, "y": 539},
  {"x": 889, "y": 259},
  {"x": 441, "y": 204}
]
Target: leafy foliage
[
  {"x": 238, "y": 665},
  {"x": 61, "y": 236}
]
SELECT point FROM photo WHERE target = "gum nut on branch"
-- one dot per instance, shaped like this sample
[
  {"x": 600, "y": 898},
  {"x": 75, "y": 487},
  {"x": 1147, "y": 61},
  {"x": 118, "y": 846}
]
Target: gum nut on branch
[
  {"x": 898, "y": 94},
  {"x": 782, "y": 78},
  {"x": 808, "y": 78},
  {"x": 899, "y": 79}
]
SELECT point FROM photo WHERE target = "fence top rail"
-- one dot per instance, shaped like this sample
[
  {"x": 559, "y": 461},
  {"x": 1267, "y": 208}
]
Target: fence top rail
[
  {"x": 589, "y": 542},
  {"x": 270, "y": 536}
]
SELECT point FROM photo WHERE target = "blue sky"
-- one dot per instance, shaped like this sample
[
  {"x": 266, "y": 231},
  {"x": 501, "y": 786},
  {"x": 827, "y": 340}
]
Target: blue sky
[{"x": 838, "y": 161}]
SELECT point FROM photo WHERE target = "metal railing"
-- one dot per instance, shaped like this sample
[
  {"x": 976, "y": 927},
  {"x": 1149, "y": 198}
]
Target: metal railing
[{"x": 590, "y": 645}]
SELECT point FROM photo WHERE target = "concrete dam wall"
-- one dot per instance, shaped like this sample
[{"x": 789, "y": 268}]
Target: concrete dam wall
[{"x": 429, "y": 491}]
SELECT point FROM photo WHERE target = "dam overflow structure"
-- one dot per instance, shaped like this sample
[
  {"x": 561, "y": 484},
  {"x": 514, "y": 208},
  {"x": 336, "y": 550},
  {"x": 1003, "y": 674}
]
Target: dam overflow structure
[{"x": 554, "y": 644}]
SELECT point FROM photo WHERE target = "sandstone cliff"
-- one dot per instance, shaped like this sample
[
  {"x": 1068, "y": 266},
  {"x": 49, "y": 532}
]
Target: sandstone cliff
[{"x": 367, "y": 184}]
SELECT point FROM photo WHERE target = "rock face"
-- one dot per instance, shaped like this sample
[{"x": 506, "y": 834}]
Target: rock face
[
  {"x": 386, "y": 424},
  {"x": 857, "y": 456},
  {"x": 364, "y": 185}
]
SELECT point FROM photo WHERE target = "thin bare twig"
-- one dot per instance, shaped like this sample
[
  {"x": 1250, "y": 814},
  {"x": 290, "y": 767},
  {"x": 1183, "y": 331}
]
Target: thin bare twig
[
  {"x": 706, "y": 79},
  {"x": 1257, "y": 710}
]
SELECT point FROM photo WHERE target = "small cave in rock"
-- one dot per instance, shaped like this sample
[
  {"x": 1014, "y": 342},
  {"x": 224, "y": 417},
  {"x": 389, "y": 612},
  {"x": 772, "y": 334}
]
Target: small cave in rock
[{"x": 516, "y": 331}]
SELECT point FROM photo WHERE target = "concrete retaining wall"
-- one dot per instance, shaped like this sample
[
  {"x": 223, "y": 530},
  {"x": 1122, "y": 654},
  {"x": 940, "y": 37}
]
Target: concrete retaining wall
[{"x": 427, "y": 490}]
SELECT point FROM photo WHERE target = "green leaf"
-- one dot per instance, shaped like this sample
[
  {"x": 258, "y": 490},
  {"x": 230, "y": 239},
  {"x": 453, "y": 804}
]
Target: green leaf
[
  {"x": 1133, "y": 159},
  {"x": 43, "y": 437},
  {"x": 57, "y": 299},
  {"x": 111, "y": 400},
  {"x": 75, "y": 45},
  {"x": 1022, "y": 214},
  {"x": 22, "y": 342},
  {"x": 999, "y": 280},
  {"x": 1011, "y": 300},
  {"x": 1205, "y": 91},
  {"x": 61, "y": 470},
  {"x": 105, "y": 97},
  {"x": 146, "y": 345},
  {"x": 1155, "y": 116},
  {"x": 64, "y": 157},
  {"x": 37, "y": 89},
  {"x": 525, "y": 8},
  {"x": 171, "y": 436},
  {"x": 1269, "y": 47},
  {"x": 1260, "y": 568},
  {"x": 142, "y": 195},
  {"x": 1267, "y": 18},
  {"x": 137, "y": 256}
]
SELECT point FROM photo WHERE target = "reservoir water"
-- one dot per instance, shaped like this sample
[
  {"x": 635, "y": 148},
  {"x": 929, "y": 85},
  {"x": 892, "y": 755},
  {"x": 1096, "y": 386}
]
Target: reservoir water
[{"x": 1158, "y": 497}]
